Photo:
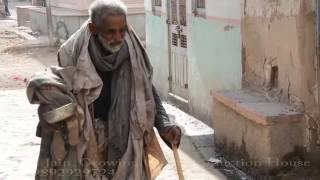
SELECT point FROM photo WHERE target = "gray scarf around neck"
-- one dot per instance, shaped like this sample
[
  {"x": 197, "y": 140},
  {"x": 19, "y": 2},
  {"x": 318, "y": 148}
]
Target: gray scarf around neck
[
  {"x": 105, "y": 60},
  {"x": 121, "y": 95}
]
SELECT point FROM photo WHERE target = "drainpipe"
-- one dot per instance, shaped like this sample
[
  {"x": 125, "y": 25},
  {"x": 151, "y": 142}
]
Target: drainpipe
[
  {"x": 318, "y": 51},
  {"x": 169, "y": 42},
  {"x": 318, "y": 63},
  {"x": 49, "y": 22}
]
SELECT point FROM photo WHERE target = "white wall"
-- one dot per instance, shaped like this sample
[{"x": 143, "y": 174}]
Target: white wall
[
  {"x": 227, "y": 9},
  {"x": 72, "y": 4},
  {"x": 148, "y": 6},
  {"x": 230, "y": 9}
]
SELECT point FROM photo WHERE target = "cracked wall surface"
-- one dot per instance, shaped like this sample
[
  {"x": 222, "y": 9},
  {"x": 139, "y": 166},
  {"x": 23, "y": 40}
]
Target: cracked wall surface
[
  {"x": 279, "y": 45},
  {"x": 281, "y": 33}
]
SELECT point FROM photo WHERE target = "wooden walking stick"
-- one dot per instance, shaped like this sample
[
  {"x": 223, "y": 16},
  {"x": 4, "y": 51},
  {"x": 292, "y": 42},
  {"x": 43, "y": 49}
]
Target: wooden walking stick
[{"x": 178, "y": 162}]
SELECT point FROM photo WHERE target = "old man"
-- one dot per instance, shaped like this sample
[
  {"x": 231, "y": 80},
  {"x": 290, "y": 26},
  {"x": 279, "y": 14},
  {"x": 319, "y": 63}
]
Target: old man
[{"x": 98, "y": 108}]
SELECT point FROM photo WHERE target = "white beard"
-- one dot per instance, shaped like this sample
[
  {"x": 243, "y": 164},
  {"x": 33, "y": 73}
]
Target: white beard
[{"x": 108, "y": 47}]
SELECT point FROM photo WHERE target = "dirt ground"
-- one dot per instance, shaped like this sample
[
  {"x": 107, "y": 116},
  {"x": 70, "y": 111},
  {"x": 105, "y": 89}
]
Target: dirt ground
[
  {"x": 18, "y": 62},
  {"x": 18, "y": 59}
]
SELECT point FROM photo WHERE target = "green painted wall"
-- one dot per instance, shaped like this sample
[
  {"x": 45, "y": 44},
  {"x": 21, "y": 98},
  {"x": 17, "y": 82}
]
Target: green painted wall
[
  {"x": 157, "y": 48},
  {"x": 214, "y": 51},
  {"x": 215, "y": 62}
]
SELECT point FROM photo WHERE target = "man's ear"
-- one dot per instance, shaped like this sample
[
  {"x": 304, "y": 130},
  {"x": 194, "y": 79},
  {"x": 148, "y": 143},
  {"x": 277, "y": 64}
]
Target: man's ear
[{"x": 92, "y": 27}]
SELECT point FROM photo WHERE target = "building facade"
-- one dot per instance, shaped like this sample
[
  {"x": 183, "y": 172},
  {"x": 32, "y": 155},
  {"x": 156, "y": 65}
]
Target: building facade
[
  {"x": 248, "y": 68},
  {"x": 68, "y": 16},
  {"x": 195, "y": 47}
]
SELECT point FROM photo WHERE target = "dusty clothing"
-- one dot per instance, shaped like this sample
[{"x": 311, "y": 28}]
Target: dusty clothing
[
  {"x": 121, "y": 97},
  {"x": 141, "y": 155},
  {"x": 50, "y": 91},
  {"x": 113, "y": 68}
]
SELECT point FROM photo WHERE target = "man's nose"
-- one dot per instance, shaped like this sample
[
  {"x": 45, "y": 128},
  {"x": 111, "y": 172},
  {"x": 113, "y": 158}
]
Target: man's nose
[{"x": 118, "y": 37}]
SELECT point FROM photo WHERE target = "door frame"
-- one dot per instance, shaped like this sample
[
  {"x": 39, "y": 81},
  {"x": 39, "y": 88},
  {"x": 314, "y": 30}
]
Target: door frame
[{"x": 181, "y": 102}]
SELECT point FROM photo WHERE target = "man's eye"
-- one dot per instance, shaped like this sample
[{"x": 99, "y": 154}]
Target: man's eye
[{"x": 110, "y": 31}]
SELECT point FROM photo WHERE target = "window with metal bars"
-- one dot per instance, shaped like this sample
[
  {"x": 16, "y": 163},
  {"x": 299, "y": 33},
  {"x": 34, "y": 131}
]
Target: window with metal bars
[
  {"x": 199, "y": 8},
  {"x": 157, "y": 2},
  {"x": 183, "y": 41},
  {"x": 156, "y": 7},
  {"x": 201, "y": 4},
  {"x": 175, "y": 39}
]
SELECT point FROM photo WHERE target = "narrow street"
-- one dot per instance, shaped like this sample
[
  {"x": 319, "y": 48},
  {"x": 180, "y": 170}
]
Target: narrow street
[
  {"x": 20, "y": 146},
  {"x": 246, "y": 72},
  {"x": 20, "y": 58}
]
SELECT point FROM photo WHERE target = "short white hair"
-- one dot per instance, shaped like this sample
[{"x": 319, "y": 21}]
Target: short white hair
[{"x": 99, "y": 9}]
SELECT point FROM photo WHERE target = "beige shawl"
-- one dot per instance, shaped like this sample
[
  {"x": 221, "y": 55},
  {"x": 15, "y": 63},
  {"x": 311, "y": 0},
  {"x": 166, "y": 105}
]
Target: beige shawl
[{"x": 143, "y": 158}]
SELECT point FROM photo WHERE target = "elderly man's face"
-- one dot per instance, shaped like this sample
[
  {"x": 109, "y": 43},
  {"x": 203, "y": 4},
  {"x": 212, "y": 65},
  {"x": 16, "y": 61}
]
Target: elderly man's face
[{"x": 114, "y": 30}]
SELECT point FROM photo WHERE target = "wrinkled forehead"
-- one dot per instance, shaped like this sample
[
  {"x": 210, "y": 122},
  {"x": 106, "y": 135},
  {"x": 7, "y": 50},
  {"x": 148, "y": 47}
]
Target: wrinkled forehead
[{"x": 114, "y": 21}]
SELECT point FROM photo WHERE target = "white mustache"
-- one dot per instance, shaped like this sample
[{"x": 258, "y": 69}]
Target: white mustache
[{"x": 112, "y": 48}]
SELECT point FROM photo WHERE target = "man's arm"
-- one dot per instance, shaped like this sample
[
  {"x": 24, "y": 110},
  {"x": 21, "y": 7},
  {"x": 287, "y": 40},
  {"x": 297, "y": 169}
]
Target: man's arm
[
  {"x": 162, "y": 120},
  {"x": 168, "y": 130}
]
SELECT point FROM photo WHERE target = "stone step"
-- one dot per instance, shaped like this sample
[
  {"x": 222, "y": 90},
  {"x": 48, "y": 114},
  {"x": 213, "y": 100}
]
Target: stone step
[
  {"x": 255, "y": 133},
  {"x": 256, "y": 107}
]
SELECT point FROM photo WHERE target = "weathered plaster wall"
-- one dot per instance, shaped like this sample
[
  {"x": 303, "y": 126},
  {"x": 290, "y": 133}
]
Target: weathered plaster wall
[{"x": 280, "y": 34}]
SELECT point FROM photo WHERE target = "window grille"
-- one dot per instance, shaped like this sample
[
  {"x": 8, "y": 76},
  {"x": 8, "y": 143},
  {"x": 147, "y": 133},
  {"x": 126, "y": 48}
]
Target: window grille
[
  {"x": 175, "y": 39},
  {"x": 199, "y": 8},
  {"x": 184, "y": 41},
  {"x": 156, "y": 7},
  {"x": 157, "y": 2},
  {"x": 201, "y": 4}
]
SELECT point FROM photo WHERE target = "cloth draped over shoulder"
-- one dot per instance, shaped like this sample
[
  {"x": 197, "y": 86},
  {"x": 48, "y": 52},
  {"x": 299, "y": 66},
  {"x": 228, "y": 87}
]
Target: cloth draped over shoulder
[{"x": 77, "y": 81}]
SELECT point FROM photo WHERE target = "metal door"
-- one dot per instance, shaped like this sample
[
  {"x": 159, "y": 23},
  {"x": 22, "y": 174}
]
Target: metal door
[{"x": 179, "y": 59}]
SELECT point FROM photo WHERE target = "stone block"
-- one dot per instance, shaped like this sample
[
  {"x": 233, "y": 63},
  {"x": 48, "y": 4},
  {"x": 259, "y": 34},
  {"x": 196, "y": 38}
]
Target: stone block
[{"x": 254, "y": 133}]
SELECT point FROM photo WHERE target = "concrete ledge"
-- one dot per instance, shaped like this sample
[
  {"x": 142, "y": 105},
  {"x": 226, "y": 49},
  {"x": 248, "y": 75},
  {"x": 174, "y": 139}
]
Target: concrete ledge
[
  {"x": 24, "y": 35},
  {"x": 180, "y": 102},
  {"x": 253, "y": 131},
  {"x": 256, "y": 108}
]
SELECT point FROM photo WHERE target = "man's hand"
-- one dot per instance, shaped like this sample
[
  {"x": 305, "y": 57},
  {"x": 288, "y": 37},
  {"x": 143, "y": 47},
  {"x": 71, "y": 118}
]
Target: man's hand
[{"x": 172, "y": 134}]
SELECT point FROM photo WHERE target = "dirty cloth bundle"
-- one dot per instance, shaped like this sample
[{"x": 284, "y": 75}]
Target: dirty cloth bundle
[{"x": 142, "y": 158}]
